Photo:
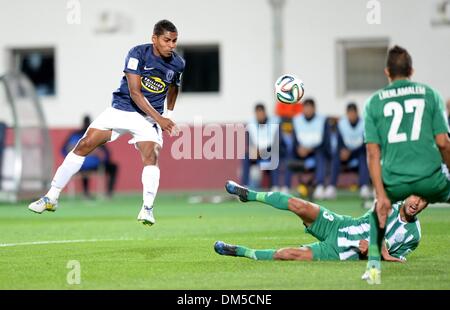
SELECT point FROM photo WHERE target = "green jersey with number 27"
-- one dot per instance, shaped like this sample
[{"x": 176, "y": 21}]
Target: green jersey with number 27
[{"x": 404, "y": 118}]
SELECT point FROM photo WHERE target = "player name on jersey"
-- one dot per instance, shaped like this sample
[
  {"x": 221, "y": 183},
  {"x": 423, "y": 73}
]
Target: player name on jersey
[{"x": 402, "y": 91}]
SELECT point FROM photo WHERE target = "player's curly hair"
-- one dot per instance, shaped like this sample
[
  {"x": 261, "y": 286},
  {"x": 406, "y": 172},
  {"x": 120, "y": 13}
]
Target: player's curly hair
[
  {"x": 163, "y": 26},
  {"x": 399, "y": 62}
]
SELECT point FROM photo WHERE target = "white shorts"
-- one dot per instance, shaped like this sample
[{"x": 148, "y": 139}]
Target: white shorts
[{"x": 143, "y": 128}]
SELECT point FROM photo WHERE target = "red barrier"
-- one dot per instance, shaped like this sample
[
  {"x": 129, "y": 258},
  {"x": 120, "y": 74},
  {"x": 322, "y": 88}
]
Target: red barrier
[{"x": 183, "y": 174}]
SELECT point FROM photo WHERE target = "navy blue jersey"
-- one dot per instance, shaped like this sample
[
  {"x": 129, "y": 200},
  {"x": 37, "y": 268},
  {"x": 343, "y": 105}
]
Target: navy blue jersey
[{"x": 156, "y": 75}]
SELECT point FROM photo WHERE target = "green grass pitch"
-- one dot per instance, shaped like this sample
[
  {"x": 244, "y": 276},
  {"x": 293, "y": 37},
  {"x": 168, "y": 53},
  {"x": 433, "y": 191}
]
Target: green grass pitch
[{"x": 117, "y": 252}]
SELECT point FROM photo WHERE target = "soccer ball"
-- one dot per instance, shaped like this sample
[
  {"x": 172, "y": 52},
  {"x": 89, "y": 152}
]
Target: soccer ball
[{"x": 289, "y": 89}]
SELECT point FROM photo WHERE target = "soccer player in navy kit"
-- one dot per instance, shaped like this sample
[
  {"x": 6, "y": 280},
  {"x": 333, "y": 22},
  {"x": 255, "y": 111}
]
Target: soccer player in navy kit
[{"x": 152, "y": 74}]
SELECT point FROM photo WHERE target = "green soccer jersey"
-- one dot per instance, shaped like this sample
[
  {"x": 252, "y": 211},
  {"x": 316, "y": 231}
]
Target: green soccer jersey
[
  {"x": 340, "y": 235},
  {"x": 401, "y": 237},
  {"x": 403, "y": 118}
]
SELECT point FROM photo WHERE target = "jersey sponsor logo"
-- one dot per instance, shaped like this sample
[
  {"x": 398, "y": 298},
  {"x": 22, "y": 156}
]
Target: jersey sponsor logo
[
  {"x": 148, "y": 69},
  {"x": 153, "y": 84},
  {"x": 169, "y": 75}
]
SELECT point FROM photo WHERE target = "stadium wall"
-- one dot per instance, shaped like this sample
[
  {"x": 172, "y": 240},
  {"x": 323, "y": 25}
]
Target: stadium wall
[{"x": 89, "y": 64}]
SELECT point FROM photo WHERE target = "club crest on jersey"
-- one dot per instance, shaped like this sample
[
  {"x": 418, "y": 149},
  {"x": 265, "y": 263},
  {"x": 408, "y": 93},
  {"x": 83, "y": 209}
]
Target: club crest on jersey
[
  {"x": 169, "y": 75},
  {"x": 153, "y": 84}
]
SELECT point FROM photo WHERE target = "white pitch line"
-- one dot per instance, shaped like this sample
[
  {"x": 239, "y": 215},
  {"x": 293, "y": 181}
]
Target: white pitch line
[{"x": 4, "y": 245}]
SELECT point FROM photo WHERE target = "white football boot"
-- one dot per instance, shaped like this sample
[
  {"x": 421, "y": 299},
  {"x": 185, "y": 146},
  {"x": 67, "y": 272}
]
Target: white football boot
[
  {"x": 365, "y": 192},
  {"x": 319, "y": 192},
  {"x": 43, "y": 204},
  {"x": 372, "y": 276},
  {"x": 146, "y": 216},
  {"x": 330, "y": 192}
]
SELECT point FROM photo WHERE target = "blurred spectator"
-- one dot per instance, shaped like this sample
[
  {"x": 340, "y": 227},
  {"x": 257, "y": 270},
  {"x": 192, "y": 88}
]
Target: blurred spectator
[
  {"x": 262, "y": 134},
  {"x": 287, "y": 153},
  {"x": 352, "y": 150},
  {"x": 287, "y": 140},
  {"x": 98, "y": 159},
  {"x": 332, "y": 162},
  {"x": 310, "y": 129}
]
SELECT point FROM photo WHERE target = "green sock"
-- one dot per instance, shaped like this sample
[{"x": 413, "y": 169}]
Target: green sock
[
  {"x": 251, "y": 195},
  {"x": 376, "y": 236},
  {"x": 255, "y": 254},
  {"x": 275, "y": 199}
]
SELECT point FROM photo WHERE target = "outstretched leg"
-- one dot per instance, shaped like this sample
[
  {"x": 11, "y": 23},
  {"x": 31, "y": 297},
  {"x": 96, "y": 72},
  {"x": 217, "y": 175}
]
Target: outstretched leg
[
  {"x": 307, "y": 211},
  {"x": 275, "y": 199},
  {"x": 302, "y": 254},
  {"x": 223, "y": 248},
  {"x": 71, "y": 165}
]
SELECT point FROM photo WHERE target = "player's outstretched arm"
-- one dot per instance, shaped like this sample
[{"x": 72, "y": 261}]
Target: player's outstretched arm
[
  {"x": 387, "y": 257},
  {"x": 443, "y": 143},
  {"x": 134, "y": 85}
]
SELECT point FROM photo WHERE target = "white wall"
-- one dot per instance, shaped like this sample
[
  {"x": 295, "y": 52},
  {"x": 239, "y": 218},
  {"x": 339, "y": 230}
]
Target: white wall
[
  {"x": 89, "y": 65},
  {"x": 313, "y": 27}
]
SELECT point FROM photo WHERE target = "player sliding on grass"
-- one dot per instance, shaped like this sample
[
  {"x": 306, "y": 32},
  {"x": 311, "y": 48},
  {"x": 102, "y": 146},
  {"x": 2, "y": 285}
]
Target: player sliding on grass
[
  {"x": 152, "y": 72},
  {"x": 340, "y": 237}
]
